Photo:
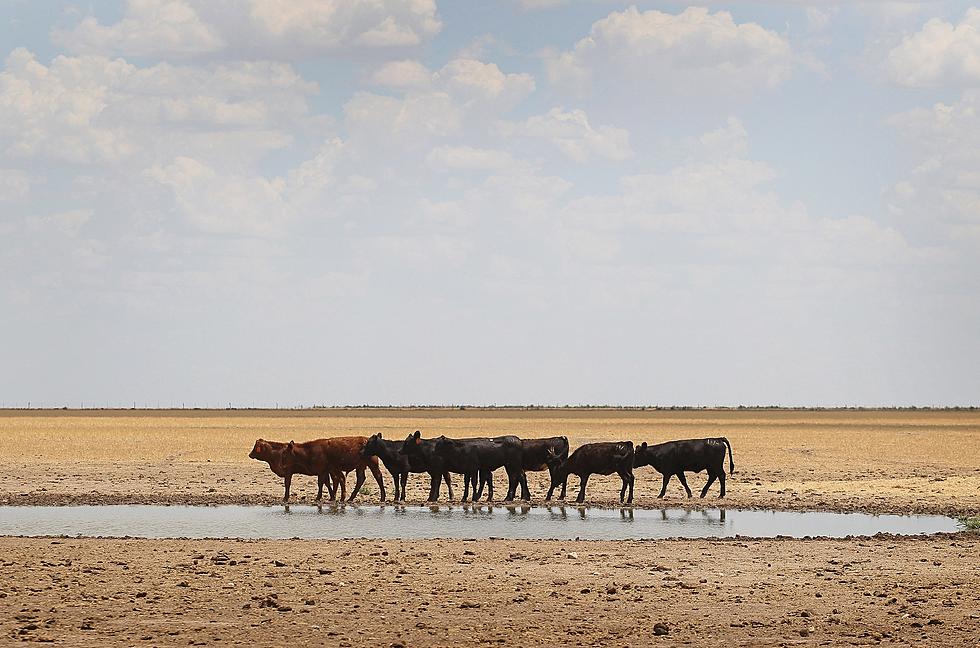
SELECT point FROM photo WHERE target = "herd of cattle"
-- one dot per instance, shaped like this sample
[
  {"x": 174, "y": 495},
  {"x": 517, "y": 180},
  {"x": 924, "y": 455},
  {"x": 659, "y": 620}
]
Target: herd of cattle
[{"x": 330, "y": 460}]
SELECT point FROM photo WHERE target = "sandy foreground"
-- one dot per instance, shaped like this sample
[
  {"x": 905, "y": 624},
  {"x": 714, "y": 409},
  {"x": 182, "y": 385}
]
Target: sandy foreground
[
  {"x": 888, "y": 591},
  {"x": 126, "y": 592}
]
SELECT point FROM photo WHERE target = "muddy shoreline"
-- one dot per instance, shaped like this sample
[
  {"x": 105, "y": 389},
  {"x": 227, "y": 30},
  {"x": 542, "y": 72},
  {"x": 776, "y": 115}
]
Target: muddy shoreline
[{"x": 872, "y": 508}]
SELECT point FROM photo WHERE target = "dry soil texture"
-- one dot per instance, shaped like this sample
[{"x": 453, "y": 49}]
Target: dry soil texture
[{"x": 882, "y": 591}]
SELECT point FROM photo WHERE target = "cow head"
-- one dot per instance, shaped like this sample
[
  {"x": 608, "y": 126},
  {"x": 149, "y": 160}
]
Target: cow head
[
  {"x": 556, "y": 467},
  {"x": 262, "y": 450},
  {"x": 412, "y": 443},
  {"x": 373, "y": 446},
  {"x": 644, "y": 455}
]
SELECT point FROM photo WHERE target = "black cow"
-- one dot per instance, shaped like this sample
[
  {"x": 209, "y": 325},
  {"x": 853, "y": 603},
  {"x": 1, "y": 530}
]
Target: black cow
[
  {"x": 498, "y": 452},
  {"x": 464, "y": 462},
  {"x": 594, "y": 458},
  {"x": 690, "y": 455},
  {"x": 537, "y": 452},
  {"x": 398, "y": 464}
]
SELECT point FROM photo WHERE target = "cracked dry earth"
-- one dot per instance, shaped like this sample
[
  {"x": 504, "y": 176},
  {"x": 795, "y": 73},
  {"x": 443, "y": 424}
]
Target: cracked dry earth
[{"x": 882, "y": 591}]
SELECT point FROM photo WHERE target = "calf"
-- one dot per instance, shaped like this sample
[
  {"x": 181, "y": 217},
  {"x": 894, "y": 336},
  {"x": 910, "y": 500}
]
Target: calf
[
  {"x": 537, "y": 451},
  {"x": 441, "y": 461},
  {"x": 594, "y": 458},
  {"x": 324, "y": 458},
  {"x": 398, "y": 464},
  {"x": 690, "y": 455},
  {"x": 490, "y": 454}
]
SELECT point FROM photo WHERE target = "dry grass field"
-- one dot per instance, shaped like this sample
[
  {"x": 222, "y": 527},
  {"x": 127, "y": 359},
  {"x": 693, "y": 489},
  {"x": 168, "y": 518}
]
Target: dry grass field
[{"x": 896, "y": 461}]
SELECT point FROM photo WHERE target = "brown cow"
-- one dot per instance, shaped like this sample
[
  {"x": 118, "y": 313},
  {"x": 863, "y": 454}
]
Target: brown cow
[{"x": 326, "y": 459}]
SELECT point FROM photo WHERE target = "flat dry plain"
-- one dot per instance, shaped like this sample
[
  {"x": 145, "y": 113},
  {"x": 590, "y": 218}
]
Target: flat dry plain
[{"x": 125, "y": 592}]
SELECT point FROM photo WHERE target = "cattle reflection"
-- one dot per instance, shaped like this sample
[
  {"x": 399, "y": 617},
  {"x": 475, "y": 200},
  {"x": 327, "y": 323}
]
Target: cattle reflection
[
  {"x": 700, "y": 516},
  {"x": 557, "y": 512}
]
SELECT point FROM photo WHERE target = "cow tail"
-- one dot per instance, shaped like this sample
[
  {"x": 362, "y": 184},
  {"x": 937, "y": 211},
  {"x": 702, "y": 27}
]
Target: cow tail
[{"x": 731, "y": 457}]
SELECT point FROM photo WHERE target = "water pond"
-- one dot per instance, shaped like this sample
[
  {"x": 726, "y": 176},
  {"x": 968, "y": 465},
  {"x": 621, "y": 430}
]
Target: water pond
[{"x": 448, "y": 521}]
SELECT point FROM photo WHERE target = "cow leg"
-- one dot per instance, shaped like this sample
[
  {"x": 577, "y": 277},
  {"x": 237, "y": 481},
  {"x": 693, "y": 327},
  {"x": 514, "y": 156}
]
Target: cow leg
[
  {"x": 319, "y": 488},
  {"x": 721, "y": 478},
  {"x": 478, "y": 493},
  {"x": 564, "y": 485},
  {"x": 711, "y": 480},
  {"x": 288, "y": 478},
  {"x": 525, "y": 491},
  {"x": 627, "y": 477},
  {"x": 466, "y": 486},
  {"x": 434, "y": 487},
  {"x": 359, "y": 472},
  {"x": 449, "y": 484},
  {"x": 341, "y": 478},
  {"x": 396, "y": 480},
  {"x": 489, "y": 476},
  {"x": 378, "y": 477},
  {"x": 551, "y": 491},
  {"x": 663, "y": 490},
  {"x": 683, "y": 481},
  {"x": 513, "y": 479},
  {"x": 581, "y": 491}
]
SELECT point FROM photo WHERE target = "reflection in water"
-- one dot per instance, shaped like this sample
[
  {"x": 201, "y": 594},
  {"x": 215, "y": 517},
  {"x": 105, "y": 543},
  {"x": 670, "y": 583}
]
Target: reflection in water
[
  {"x": 337, "y": 520},
  {"x": 560, "y": 515}
]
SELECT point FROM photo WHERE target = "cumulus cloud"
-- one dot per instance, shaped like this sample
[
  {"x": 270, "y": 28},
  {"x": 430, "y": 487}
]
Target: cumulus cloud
[
  {"x": 464, "y": 91},
  {"x": 91, "y": 109},
  {"x": 402, "y": 74},
  {"x": 571, "y": 132},
  {"x": 148, "y": 28},
  {"x": 940, "y": 197},
  {"x": 941, "y": 53},
  {"x": 267, "y": 28},
  {"x": 693, "y": 48}
]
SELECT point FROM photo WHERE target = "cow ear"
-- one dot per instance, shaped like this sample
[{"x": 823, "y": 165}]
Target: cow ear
[
  {"x": 417, "y": 434},
  {"x": 290, "y": 445},
  {"x": 379, "y": 435},
  {"x": 643, "y": 445}
]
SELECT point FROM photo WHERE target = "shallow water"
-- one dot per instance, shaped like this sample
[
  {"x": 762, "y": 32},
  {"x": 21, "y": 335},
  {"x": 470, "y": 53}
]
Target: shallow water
[{"x": 447, "y": 521}]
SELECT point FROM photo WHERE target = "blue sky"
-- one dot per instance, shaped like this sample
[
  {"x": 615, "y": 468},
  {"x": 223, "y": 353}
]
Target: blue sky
[{"x": 523, "y": 201}]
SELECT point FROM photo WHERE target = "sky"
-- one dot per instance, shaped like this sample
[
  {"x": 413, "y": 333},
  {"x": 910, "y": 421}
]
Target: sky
[{"x": 398, "y": 202}]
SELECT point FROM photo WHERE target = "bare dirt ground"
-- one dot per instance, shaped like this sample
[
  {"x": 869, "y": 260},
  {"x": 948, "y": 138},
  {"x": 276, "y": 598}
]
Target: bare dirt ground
[
  {"x": 921, "y": 591},
  {"x": 882, "y": 591},
  {"x": 876, "y": 461}
]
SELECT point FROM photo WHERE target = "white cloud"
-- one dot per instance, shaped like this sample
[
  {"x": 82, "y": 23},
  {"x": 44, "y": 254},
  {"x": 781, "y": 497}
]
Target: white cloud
[
  {"x": 149, "y": 28},
  {"x": 402, "y": 74},
  {"x": 267, "y": 28},
  {"x": 940, "y": 197},
  {"x": 571, "y": 132},
  {"x": 463, "y": 92},
  {"x": 477, "y": 84},
  {"x": 941, "y": 53},
  {"x": 92, "y": 109},
  {"x": 693, "y": 48}
]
